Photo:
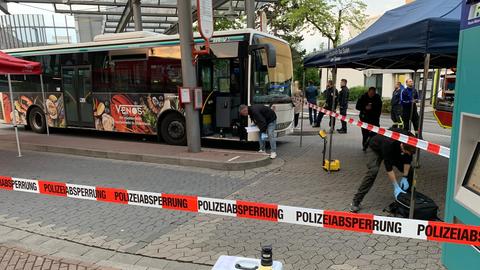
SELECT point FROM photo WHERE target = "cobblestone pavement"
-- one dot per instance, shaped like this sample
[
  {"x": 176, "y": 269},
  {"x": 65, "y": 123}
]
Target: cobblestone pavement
[
  {"x": 176, "y": 236},
  {"x": 12, "y": 258}
]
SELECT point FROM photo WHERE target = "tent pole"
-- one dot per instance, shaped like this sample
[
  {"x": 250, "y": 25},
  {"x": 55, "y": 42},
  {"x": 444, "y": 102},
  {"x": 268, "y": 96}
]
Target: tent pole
[
  {"x": 332, "y": 119},
  {"x": 420, "y": 131},
  {"x": 14, "y": 116},
  {"x": 44, "y": 105},
  {"x": 303, "y": 101}
]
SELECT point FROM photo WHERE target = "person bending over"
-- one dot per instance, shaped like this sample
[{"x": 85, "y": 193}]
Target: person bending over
[
  {"x": 266, "y": 120},
  {"x": 393, "y": 154}
]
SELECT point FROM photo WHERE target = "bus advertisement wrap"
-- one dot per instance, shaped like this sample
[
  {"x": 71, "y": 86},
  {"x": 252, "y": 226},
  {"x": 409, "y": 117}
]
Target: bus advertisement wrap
[
  {"x": 22, "y": 102},
  {"x": 133, "y": 113}
]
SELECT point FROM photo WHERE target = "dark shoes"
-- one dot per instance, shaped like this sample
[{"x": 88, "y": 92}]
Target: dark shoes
[
  {"x": 342, "y": 131},
  {"x": 354, "y": 207},
  {"x": 316, "y": 126}
]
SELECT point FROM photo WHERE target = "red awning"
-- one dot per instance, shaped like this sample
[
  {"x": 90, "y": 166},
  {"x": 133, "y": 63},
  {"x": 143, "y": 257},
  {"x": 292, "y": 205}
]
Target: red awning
[{"x": 15, "y": 66}]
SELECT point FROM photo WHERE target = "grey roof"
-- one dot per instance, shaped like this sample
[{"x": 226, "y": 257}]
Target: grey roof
[{"x": 157, "y": 15}]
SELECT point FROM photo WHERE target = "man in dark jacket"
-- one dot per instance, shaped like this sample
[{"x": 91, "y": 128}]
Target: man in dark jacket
[
  {"x": 370, "y": 107},
  {"x": 266, "y": 120},
  {"x": 311, "y": 93},
  {"x": 409, "y": 100},
  {"x": 343, "y": 103},
  {"x": 397, "y": 109},
  {"x": 393, "y": 154},
  {"x": 329, "y": 103}
]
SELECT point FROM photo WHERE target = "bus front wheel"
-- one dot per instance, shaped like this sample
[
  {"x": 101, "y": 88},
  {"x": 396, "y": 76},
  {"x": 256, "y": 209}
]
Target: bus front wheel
[
  {"x": 173, "y": 129},
  {"x": 36, "y": 120}
]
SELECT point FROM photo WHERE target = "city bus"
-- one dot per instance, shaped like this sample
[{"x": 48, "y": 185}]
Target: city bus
[{"x": 128, "y": 82}]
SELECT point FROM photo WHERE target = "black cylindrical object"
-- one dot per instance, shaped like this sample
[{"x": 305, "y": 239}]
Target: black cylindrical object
[{"x": 267, "y": 259}]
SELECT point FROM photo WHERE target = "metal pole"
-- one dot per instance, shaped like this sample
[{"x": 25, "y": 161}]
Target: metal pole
[
  {"x": 420, "y": 130},
  {"x": 44, "y": 105},
  {"x": 303, "y": 101},
  {"x": 188, "y": 72},
  {"x": 250, "y": 11},
  {"x": 137, "y": 14},
  {"x": 14, "y": 116},
  {"x": 332, "y": 120}
]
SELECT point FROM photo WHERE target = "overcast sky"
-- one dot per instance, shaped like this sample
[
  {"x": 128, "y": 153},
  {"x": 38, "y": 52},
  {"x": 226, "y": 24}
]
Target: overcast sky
[{"x": 374, "y": 7}]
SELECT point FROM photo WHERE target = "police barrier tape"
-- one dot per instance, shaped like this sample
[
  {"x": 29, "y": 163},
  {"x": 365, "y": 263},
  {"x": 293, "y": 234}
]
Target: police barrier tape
[
  {"x": 421, "y": 144},
  {"x": 364, "y": 223}
]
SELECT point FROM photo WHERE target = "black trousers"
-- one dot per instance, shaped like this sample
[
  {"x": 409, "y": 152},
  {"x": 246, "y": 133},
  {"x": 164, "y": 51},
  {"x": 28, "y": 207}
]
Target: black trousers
[
  {"x": 295, "y": 119},
  {"x": 373, "y": 165},
  {"x": 366, "y": 135},
  {"x": 320, "y": 117},
  {"x": 343, "y": 111},
  {"x": 397, "y": 118},
  {"x": 407, "y": 110}
]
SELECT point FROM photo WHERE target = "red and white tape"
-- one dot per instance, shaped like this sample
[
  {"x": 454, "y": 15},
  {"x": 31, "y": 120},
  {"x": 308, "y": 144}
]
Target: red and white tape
[
  {"x": 418, "y": 143},
  {"x": 364, "y": 223}
]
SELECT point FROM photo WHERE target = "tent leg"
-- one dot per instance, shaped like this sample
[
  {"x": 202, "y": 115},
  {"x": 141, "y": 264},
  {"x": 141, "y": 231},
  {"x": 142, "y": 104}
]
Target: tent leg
[
  {"x": 420, "y": 131},
  {"x": 303, "y": 101},
  {"x": 14, "y": 116},
  {"x": 44, "y": 105}
]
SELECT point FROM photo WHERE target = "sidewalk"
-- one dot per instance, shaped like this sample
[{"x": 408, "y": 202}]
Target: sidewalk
[
  {"x": 21, "y": 259},
  {"x": 151, "y": 152},
  {"x": 24, "y": 250}
]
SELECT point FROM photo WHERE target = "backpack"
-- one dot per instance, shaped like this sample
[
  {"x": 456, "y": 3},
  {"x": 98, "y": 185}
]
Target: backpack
[{"x": 425, "y": 207}]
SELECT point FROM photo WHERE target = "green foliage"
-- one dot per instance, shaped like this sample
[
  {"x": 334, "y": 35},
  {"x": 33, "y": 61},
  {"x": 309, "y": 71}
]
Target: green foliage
[
  {"x": 387, "y": 105},
  {"x": 328, "y": 17},
  {"x": 356, "y": 92},
  {"x": 222, "y": 23}
]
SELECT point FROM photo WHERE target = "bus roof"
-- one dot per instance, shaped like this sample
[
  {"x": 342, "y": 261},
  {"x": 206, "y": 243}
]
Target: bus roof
[{"x": 141, "y": 41}]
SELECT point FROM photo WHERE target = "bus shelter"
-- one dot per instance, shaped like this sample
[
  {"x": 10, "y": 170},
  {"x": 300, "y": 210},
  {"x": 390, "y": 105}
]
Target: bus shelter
[
  {"x": 421, "y": 35},
  {"x": 10, "y": 65}
]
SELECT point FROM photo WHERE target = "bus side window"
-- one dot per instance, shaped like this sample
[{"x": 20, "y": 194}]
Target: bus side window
[{"x": 221, "y": 75}]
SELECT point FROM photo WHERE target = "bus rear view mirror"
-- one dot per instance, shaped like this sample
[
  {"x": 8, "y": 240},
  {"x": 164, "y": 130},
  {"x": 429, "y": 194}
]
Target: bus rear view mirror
[{"x": 269, "y": 49}]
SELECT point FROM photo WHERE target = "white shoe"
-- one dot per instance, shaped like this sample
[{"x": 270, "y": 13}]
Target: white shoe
[
  {"x": 261, "y": 151},
  {"x": 273, "y": 155}
]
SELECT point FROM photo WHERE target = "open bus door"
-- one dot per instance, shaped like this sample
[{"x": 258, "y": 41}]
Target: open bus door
[{"x": 220, "y": 79}]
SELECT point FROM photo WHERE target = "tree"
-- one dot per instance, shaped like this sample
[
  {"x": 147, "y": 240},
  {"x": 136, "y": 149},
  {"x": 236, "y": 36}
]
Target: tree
[
  {"x": 223, "y": 23},
  {"x": 280, "y": 26},
  {"x": 327, "y": 17}
]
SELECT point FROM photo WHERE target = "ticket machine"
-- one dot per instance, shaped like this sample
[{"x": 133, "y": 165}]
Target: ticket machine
[{"x": 463, "y": 191}]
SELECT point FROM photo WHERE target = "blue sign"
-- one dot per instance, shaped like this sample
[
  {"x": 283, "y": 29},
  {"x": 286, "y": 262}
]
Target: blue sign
[{"x": 470, "y": 14}]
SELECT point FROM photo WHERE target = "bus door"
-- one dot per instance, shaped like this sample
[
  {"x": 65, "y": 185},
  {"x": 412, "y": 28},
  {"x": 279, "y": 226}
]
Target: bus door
[
  {"x": 77, "y": 87},
  {"x": 220, "y": 80}
]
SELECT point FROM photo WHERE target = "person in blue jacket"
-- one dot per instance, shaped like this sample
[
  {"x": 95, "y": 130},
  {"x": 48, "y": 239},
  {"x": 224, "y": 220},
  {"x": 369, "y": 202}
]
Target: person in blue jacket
[
  {"x": 409, "y": 98},
  {"x": 397, "y": 109},
  {"x": 311, "y": 93}
]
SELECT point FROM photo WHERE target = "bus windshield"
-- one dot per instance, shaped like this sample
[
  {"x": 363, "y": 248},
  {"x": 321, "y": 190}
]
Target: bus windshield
[{"x": 272, "y": 85}]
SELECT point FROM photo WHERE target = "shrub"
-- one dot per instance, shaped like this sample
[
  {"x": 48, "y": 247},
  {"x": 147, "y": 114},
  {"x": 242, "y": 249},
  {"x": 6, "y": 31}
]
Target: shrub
[
  {"x": 356, "y": 92},
  {"x": 387, "y": 105}
]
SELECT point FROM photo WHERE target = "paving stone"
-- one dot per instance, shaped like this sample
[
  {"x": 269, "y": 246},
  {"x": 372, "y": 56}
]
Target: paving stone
[{"x": 300, "y": 181}]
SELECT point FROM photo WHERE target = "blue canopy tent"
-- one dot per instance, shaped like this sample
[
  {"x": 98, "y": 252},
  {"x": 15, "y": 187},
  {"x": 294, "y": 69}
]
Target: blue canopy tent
[
  {"x": 421, "y": 35},
  {"x": 400, "y": 39}
]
